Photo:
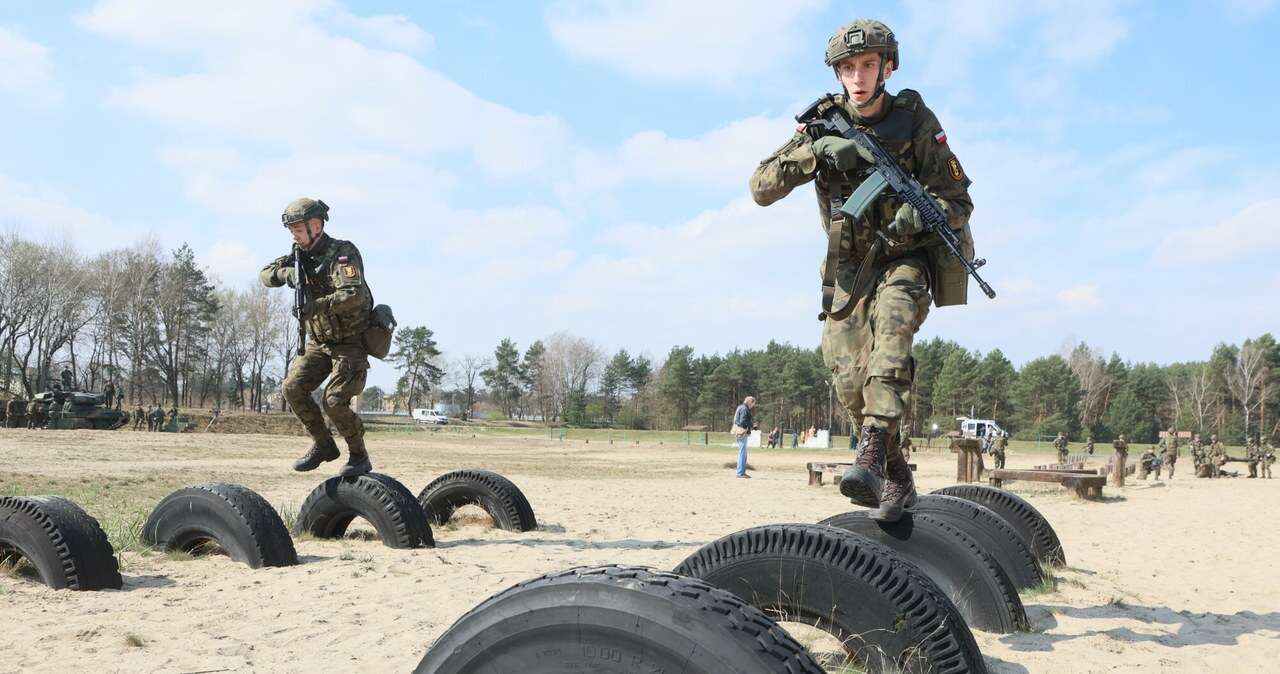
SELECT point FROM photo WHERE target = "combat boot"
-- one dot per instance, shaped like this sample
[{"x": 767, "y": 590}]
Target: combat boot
[
  {"x": 322, "y": 450},
  {"x": 864, "y": 480},
  {"x": 899, "y": 489},
  {"x": 357, "y": 458}
]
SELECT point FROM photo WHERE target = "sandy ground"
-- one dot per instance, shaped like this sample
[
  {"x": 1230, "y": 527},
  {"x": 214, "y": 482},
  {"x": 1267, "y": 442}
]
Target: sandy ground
[{"x": 1163, "y": 576}]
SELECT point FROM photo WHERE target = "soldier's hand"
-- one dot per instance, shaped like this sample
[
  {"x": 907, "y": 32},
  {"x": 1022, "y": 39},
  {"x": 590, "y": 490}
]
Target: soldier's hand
[
  {"x": 287, "y": 276},
  {"x": 839, "y": 153},
  {"x": 906, "y": 223}
]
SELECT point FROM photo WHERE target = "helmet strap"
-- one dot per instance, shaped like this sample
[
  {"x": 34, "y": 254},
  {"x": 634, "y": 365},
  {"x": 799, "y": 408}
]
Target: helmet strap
[{"x": 879, "y": 87}]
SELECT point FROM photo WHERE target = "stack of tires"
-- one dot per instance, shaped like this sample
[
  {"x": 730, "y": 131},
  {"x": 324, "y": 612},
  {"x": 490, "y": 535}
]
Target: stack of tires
[{"x": 897, "y": 597}]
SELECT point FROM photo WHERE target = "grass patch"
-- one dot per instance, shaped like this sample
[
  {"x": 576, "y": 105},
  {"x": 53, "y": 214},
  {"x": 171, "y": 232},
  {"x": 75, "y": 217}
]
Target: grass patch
[
  {"x": 1048, "y": 583},
  {"x": 346, "y": 555},
  {"x": 133, "y": 641}
]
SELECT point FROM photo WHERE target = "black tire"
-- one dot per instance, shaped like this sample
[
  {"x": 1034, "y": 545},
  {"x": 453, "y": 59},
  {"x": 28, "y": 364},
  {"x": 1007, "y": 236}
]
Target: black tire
[
  {"x": 499, "y": 497},
  {"x": 1017, "y": 512},
  {"x": 615, "y": 619},
  {"x": 378, "y": 498},
  {"x": 993, "y": 533},
  {"x": 970, "y": 577},
  {"x": 64, "y": 544},
  {"x": 885, "y": 611},
  {"x": 234, "y": 517}
]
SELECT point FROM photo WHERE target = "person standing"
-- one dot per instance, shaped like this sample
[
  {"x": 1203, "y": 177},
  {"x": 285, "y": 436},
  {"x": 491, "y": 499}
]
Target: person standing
[
  {"x": 999, "y": 445},
  {"x": 108, "y": 394},
  {"x": 1088, "y": 445},
  {"x": 336, "y": 315},
  {"x": 139, "y": 418},
  {"x": 1061, "y": 444},
  {"x": 1169, "y": 455},
  {"x": 742, "y": 421},
  {"x": 68, "y": 379},
  {"x": 869, "y": 349}
]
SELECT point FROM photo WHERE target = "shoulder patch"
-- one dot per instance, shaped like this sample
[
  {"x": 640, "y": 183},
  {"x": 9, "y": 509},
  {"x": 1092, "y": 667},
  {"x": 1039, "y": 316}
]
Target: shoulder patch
[{"x": 953, "y": 166}]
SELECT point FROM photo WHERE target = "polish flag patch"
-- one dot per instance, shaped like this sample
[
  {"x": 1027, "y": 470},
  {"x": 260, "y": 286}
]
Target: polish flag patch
[{"x": 940, "y": 136}]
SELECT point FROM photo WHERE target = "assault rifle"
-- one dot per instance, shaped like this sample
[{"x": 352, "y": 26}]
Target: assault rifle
[
  {"x": 300, "y": 298},
  {"x": 825, "y": 117}
]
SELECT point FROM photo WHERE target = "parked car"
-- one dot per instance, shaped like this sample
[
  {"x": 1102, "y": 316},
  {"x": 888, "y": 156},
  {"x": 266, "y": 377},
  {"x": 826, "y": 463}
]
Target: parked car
[{"x": 425, "y": 416}]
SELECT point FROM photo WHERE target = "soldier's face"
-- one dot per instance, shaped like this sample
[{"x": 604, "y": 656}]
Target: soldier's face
[
  {"x": 306, "y": 233},
  {"x": 859, "y": 74}
]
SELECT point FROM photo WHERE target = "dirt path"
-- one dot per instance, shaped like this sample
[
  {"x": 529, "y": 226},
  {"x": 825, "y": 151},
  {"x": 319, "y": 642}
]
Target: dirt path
[{"x": 1171, "y": 577}]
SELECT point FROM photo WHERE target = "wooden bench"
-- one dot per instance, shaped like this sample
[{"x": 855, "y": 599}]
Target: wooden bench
[
  {"x": 1087, "y": 484},
  {"x": 818, "y": 469}
]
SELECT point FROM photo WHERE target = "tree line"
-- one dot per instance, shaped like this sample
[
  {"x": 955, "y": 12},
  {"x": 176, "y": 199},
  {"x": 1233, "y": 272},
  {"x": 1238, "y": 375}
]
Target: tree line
[{"x": 162, "y": 328}]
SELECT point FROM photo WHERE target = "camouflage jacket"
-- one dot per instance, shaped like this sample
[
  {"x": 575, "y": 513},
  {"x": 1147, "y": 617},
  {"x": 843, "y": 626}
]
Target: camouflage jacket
[
  {"x": 911, "y": 133},
  {"x": 338, "y": 299},
  {"x": 1060, "y": 444}
]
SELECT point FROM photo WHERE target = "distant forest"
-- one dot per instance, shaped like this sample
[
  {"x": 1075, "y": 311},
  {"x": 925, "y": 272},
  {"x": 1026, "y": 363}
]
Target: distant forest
[{"x": 162, "y": 328}]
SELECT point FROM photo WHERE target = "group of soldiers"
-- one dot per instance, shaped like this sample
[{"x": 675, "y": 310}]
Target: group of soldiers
[
  {"x": 1209, "y": 459},
  {"x": 154, "y": 418}
]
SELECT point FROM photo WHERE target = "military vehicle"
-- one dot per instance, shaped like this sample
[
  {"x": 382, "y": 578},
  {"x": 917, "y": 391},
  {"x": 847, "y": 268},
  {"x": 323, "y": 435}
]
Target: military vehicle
[{"x": 86, "y": 410}]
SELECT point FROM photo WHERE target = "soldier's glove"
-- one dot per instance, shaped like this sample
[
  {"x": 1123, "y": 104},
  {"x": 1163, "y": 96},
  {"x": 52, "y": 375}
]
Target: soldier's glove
[
  {"x": 840, "y": 153},
  {"x": 287, "y": 276},
  {"x": 906, "y": 223}
]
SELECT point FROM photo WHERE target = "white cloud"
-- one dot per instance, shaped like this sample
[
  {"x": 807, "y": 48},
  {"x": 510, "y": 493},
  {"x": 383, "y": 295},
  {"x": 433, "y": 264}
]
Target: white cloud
[
  {"x": 233, "y": 261},
  {"x": 712, "y": 42},
  {"x": 1080, "y": 31},
  {"x": 39, "y": 211},
  {"x": 1252, "y": 232},
  {"x": 392, "y": 31},
  {"x": 1079, "y": 298},
  {"x": 26, "y": 72}
]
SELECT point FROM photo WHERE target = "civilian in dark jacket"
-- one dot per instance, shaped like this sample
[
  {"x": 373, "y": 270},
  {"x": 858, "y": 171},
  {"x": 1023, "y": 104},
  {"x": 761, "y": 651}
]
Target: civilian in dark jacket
[{"x": 742, "y": 423}]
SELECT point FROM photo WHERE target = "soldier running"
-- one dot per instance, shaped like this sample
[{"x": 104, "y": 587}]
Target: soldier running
[{"x": 869, "y": 349}]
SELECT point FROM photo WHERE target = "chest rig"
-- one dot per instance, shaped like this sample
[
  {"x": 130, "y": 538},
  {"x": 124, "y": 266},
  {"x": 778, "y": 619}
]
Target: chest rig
[{"x": 834, "y": 188}]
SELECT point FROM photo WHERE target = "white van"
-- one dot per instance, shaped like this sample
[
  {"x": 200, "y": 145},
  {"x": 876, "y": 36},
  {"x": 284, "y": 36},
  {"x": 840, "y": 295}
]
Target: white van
[
  {"x": 426, "y": 416},
  {"x": 979, "y": 428}
]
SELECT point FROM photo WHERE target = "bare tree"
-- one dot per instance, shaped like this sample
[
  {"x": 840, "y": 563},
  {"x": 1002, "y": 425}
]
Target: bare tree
[
  {"x": 1095, "y": 383},
  {"x": 572, "y": 365},
  {"x": 1246, "y": 377},
  {"x": 465, "y": 373}
]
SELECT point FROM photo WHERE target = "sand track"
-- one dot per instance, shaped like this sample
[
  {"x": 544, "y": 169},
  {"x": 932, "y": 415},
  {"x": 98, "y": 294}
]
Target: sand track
[{"x": 1171, "y": 577}]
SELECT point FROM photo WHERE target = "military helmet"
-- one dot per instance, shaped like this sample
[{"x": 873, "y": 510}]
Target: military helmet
[
  {"x": 301, "y": 210},
  {"x": 861, "y": 36}
]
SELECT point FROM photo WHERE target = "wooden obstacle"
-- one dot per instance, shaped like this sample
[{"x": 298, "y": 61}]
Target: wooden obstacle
[
  {"x": 968, "y": 458},
  {"x": 819, "y": 469},
  {"x": 1086, "y": 483}
]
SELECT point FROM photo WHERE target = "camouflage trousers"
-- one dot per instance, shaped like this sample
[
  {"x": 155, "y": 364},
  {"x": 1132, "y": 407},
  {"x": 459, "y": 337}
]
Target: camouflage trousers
[
  {"x": 869, "y": 352},
  {"x": 999, "y": 459},
  {"x": 1170, "y": 460},
  {"x": 348, "y": 364}
]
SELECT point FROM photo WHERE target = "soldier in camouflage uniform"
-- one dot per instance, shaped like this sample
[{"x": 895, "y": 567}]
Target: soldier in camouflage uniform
[
  {"x": 1268, "y": 458},
  {"x": 1148, "y": 463},
  {"x": 337, "y": 314},
  {"x": 999, "y": 445},
  {"x": 1088, "y": 445},
  {"x": 869, "y": 351},
  {"x": 1060, "y": 443},
  {"x": 1169, "y": 453},
  {"x": 1217, "y": 455}
]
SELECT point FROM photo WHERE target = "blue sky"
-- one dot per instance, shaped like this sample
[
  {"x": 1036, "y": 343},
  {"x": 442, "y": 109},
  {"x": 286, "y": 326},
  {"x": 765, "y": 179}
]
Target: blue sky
[{"x": 516, "y": 169}]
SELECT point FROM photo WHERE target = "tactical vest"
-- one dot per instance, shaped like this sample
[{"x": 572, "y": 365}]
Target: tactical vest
[
  {"x": 949, "y": 280},
  {"x": 328, "y": 272}
]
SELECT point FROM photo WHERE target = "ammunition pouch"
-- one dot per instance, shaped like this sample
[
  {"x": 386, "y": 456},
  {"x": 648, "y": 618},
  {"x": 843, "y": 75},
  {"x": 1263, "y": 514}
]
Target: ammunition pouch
[
  {"x": 950, "y": 278},
  {"x": 377, "y": 337}
]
